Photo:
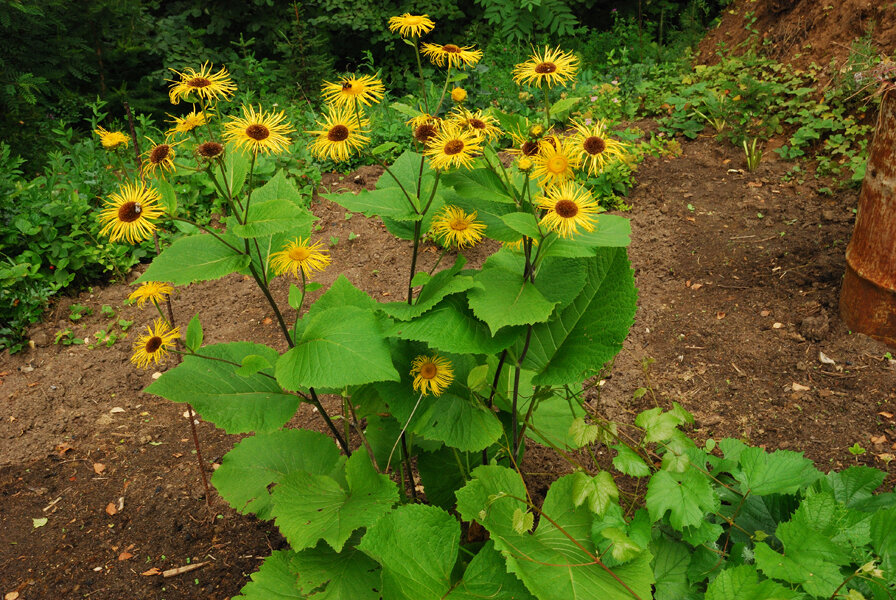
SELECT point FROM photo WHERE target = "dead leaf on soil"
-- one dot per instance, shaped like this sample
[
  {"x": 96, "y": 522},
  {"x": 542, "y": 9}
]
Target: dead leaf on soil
[
  {"x": 125, "y": 555},
  {"x": 98, "y": 468},
  {"x": 777, "y": 325},
  {"x": 765, "y": 313},
  {"x": 116, "y": 409},
  {"x": 754, "y": 184},
  {"x": 152, "y": 571},
  {"x": 878, "y": 439},
  {"x": 825, "y": 359},
  {"x": 11, "y": 596},
  {"x": 886, "y": 415},
  {"x": 111, "y": 510},
  {"x": 720, "y": 315},
  {"x": 62, "y": 448},
  {"x": 696, "y": 286},
  {"x": 799, "y": 388},
  {"x": 267, "y": 321}
]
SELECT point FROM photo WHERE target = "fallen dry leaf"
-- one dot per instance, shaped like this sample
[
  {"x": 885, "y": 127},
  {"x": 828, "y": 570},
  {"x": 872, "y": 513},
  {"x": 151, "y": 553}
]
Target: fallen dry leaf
[
  {"x": 754, "y": 184},
  {"x": 777, "y": 325},
  {"x": 63, "y": 448},
  {"x": 98, "y": 468},
  {"x": 125, "y": 556},
  {"x": 696, "y": 286},
  {"x": 799, "y": 388},
  {"x": 11, "y": 596},
  {"x": 886, "y": 415},
  {"x": 152, "y": 571},
  {"x": 116, "y": 409},
  {"x": 720, "y": 315},
  {"x": 267, "y": 321},
  {"x": 111, "y": 510},
  {"x": 878, "y": 439},
  {"x": 765, "y": 313}
]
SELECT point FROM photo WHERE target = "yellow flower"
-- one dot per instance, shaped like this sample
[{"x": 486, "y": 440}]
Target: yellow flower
[
  {"x": 594, "y": 149},
  {"x": 128, "y": 213},
  {"x": 425, "y": 133},
  {"x": 259, "y": 132},
  {"x": 524, "y": 164},
  {"x": 423, "y": 119},
  {"x": 152, "y": 291},
  {"x": 553, "y": 66},
  {"x": 366, "y": 89},
  {"x": 154, "y": 345},
  {"x": 159, "y": 156},
  {"x": 203, "y": 83},
  {"x": 340, "y": 135},
  {"x": 458, "y": 94},
  {"x": 408, "y": 25},
  {"x": 554, "y": 162},
  {"x": 485, "y": 126},
  {"x": 187, "y": 123},
  {"x": 296, "y": 255},
  {"x": 457, "y": 228},
  {"x": 111, "y": 139},
  {"x": 517, "y": 246},
  {"x": 569, "y": 206},
  {"x": 431, "y": 374},
  {"x": 459, "y": 57},
  {"x": 453, "y": 147},
  {"x": 524, "y": 144}
]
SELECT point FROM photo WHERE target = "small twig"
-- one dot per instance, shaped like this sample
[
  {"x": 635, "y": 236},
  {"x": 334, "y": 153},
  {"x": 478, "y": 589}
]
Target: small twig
[{"x": 183, "y": 569}]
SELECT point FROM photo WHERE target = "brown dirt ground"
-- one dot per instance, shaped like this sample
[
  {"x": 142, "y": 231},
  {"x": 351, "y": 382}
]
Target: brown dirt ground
[
  {"x": 739, "y": 277},
  {"x": 802, "y": 32}
]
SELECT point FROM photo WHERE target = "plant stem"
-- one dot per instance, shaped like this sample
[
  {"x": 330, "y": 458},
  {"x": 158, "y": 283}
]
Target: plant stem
[
  {"x": 516, "y": 388},
  {"x": 320, "y": 408},
  {"x": 407, "y": 465},
  {"x": 208, "y": 230},
  {"x": 420, "y": 72},
  {"x": 547, "y": 111},
  {"x": 414, "y": 262},
  {"x": 444, "y": 89},
  {"x": 491, "y": 394},
  {"x": 363, "y": 437}
]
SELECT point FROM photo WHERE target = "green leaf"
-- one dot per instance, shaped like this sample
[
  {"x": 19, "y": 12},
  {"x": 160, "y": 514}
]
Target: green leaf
[
  {"x": 687, "y": 496},
  {"x": 503, "y": 298},
  {"x": 252, "y": 364},
  {"x": 670, "y": 567},
  {"x": 855, "y": 484},
  {"x": 332, "y": 340},
  {"x": 273, "y": 216},
  {"x": 658, "y": 426},
  {"x": 590, "y": 331},
  {"x": 194, "y": 258},
  {"x": 388, "y": 202},
  {"x": 256, "y": 462},
  {"x": 169, "y": 197},
  {"x": 235, "y": 403},
  {"x": 563, "y": 106},
  {"x": 275, "y": 580},
  {"x": 883, "y": 537},
  {"x": 743, "y": 583},
  {"x": 327, "y": 575},
  {"x": 629, "y": 462},
  {"x": 296, "y": 296},
  {"x": 609, "y": 231},
  {"x": 781, "y": 472},
  {"x": 309, "y": 507},
  {"x": 441, "y": 475},
  {"x": 442, "y": 284},
  {"x": 194, "y": 334},
  {"x": 487, "y": 577},
  {"x": 491, "y": 498},
  {"x": 598, "y": 491},
  {"x": 623, "y": 549},
  {"x": 451, "y": 327},
  {"x": 816, "y": 576},
  {"x": 523, "y": 521},
  {"x": 582, "y": 433},
  {"x": 420, "y": 278},
  {"x": 524, "y": 223},
  {"x": 481, "y": 182},
  {"x": 417, "y": 547},
  {"x": 278, "y": 188},
  {"x": 236, "y": 167}
]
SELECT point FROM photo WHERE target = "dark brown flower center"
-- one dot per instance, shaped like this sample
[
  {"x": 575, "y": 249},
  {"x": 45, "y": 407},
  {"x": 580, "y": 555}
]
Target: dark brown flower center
[
  {"x": 346, "y": 86},
  {"x": 594, "y": 145},
  {"x": 451, "y": 48},
  {"x": 566, "y": 209},
  {"x": 454, "y": 147},
  {"x": 153, "y": 344},
  {"x": 545, "y": 67},
  {"x": 129, "y": 212},
  {"x": 477, "y": 124},
  {"x": 199, "y": 82},
  {"x": 258, "y": 132},
  {"x": 424, "y": 133},
  {"x": 159, "y": 153},
  {"x": 210, "y": 150},
  {"x": 338, "y": 133},
  {"x": 529, "y": 148},
  {"x": 428, "y": 371}
]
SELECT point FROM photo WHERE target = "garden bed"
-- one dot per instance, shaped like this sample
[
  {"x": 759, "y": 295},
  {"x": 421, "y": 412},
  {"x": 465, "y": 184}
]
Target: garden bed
[{"x": 738, "y": 276}]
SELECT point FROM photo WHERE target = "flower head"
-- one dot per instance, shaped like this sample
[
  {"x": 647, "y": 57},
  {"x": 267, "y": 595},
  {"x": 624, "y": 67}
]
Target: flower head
[
  {"x": 459, "y": 57},
  {"x": 408, "y": 25},
  {"x": 594, "y": 148},
  {"x": 339, "y": 135},
  {"x": 524, "y": 144},
  {"x": 153, "y": 346},
  {"x": 457, "y": 228},
  {"x": 209, "y": 150},
  {"x": 128, "y": 213},
  {"x": 453, "y": 147},
  {"x": 112, "y": 139},
  {"x": 203, "y": 84},
  {"x": 458, "y": 94},
  {"x": 569, "y": 206},
  {"x": 554, "y": 162},
  {"x": 187, "y": 123},
  {"x": 152, "y": 291},
  {"x": 485, "y": 126},
  {"x": 524, "y": 164},
  {"x": 553, "y": 66},
  {"x": 298, "y": 254},
  {"x": 159, "y": 156},
  {"x": 366, "y": 89},
  {"x": 259, "y": 132},
  {"x": 431, "y": 374}
]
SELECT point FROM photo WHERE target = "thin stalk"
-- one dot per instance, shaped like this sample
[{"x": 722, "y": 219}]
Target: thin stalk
[
  {"x": 363, "y": 437},
  {"x": 491, "y": 394},
  {"x": 346, "y": 425},
  {"x": 320, "y": 408},
  {"x": 410, "y": 198},
  {"x": 210, "y": 231},
  {"x": 127, "y": 109},
  {"x": 420, "y": 72},
  {"x": 273, "y": 304},
  {"x": 414, "y": 262},
  {"x": 441, "y": 256},
  {"x": 407, "y": 465},
  {"x": 516, "y": 388},
  {"x": 547, "y": 111},
  {"x": 403, "y": 429},
  {"x": 444, "y": 89}
]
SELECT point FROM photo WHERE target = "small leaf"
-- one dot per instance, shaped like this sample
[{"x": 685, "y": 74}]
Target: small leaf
[
  {"x": 629, "y": 462},
  {"x": 582, "y": 433},
  {"x": 194, "y": 334},
  {"x": 420, "y": 278},
  {"x": 40, "y": 522},
  {"x": 623, "y": 549},
  {"x": 252, "y": 364},
  {"x": 523, "y": 521},
  {"x": 295, "y": 296}
]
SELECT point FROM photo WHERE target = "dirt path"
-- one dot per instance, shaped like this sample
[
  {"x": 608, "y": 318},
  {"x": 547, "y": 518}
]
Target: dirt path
[{"x": 739, "y": 279}]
